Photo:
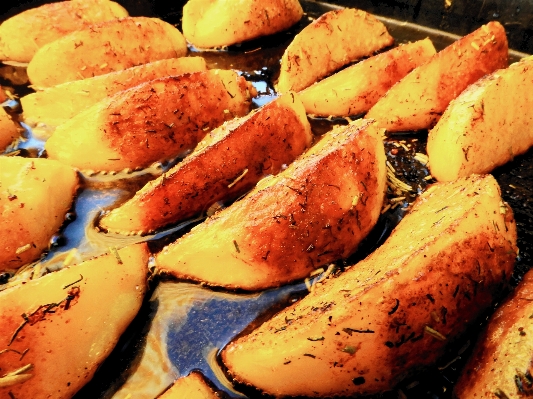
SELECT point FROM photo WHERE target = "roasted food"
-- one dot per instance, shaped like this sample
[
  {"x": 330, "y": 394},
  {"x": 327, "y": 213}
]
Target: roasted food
[
  {"x": 393, "y": 312},
  {"x": 317, "y": 210},
  {"x": 153, "y": 121},
  {"x": 227, "y": 163},
  {"x": 54, "y": 334},
  {"x": 8, "y": 130},
  {"x": 217, "y": 23},
  {"x": 419, "y": 99},
  {"x": 192, "y": 386},
  {"x": 333, "y": 40},
  {"x": 106, "y": 47},
  {"x": 500, "y": 366},
  {"x": 480, "y": 130},
  {"x": 355, "y": 89},
  {"x": 22, "y": 35},
  {"x": 35, "y": 195},
  {"x": 55, "y": 105}
]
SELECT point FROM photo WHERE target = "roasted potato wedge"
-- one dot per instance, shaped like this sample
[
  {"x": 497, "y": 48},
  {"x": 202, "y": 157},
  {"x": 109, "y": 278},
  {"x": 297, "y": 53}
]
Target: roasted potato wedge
[
  {"x": 216, "y": 23},
  {"x": 355, "y": 89},
  {"x": 331, "y": 41},
  {"x": 363, "y": 331},
  {"x": 500, "y": 366},
  {"x": 192, "y": 386},
  {"x": 419, "y": 99},
  {"x": 22, "y": 35},
  {"x": 103, "y": 48},
  {"x": 479, "y": 130},
  {"x": 55, "y": 105},
  {"x": 226, "y": 164},
  {"x": 35, "y": 195},
  {"x": 54, "y": 335},
  {"x": 151, "y": 122},
  {"x": 8, "y": 130},
  {"x": 317, "y": 210}
]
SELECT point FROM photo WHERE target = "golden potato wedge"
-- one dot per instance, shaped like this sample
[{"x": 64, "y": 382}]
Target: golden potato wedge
[
  {"x": 151, "y": 122},
  {"x": 104, "y": 48},
  {"x": 193, "y": 386},
  {"x": 317, "y": 210},
  {"x": 333, "y": 40},
  {"x": 226, "y": 164},
  {"x": 8, "y": 130},
  {"x": 356, "y": 89},
  {"x": 55, "y": 105},
  {"x": 54, "y": 334},
  {"x": 500, "y": 366},
  {"x": 393, "y": 312},
  {"x": 22, "y": 35},
  {"x": 419, "y": 99},
  {"x": 480, "y": 129},
  {"x": 217, "y": 23},
  {"x": 35, "y": 195}
]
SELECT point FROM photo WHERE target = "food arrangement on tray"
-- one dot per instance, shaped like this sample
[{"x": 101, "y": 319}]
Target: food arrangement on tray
[{"x": 331, "y": 262}]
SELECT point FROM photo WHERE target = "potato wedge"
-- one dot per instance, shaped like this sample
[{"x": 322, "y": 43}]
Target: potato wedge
[
  {"x": 8, "y": 130},
  {"x": 419, "y": 99},
  {"x": 22, "y": 35},
  {"x": 154, "y": 121},
  {"x": 226, "y": 164},
  {"x": 54, "y": 335},
  {"x": 35, "y": 195},
  {"x": 193, "y": 386},
  {"x": 333, "y": 40},
  {"x": 316, "y": 211},
  {"x": 103, "y": 48},
  {"x": 363, "y": 331},
  {"x": 55, "y": 105},
  {"x": 217, "y": 23},
  {"x": 479, "y": 130},
  {"x": 355, "y": 89},
  {"x": 500, "y": 366}
]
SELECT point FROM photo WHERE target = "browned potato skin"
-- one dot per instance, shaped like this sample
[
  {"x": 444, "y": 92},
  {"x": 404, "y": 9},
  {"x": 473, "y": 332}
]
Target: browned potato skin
[
  {"x": 502, "y": 358},
  {"x": 154, "y": 121},
  {"x": 35, "y": 195},
  {"x": 8, "y": 130},
  {"x": 419, "y": 99},
  {"x": 333, "y": 40},
  {"x": 481, "y": 129},
  {"x": 363, "y": 331},
  {"x": 103, "y": 48},
  {"x": 22, "y": 35},
  {"x": 57, "y": 104},
  {"x": 216, "y": 23},
  {"x": 357, "y": 88},
  {"x": 67, "y": 346},
  {"x": 226, "y": 164},
  {"x": 192, "y": 386},
  {"x": 317, "y": 210}
]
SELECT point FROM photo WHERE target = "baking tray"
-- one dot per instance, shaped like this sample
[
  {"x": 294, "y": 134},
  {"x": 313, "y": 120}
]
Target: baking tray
[{"x": 182, "y": 326}]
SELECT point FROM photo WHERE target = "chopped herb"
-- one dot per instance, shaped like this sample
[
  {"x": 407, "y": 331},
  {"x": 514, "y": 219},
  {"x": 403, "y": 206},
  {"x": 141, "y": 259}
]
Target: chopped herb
[
  {"x": 309, "y": 355},
  {"x": 349, "y": 349},
  {"x": 349, "y": 331},
  {"x": 74, "y": 282},
  {"x": 434, "y": 333},
  {"x": 395, "y": 307},
  {"x": 315, "y": 338},
  {"x": 236, "y": 246},
  {"x": 287, "y": 362},
  {"x": 114, "y": 251}
]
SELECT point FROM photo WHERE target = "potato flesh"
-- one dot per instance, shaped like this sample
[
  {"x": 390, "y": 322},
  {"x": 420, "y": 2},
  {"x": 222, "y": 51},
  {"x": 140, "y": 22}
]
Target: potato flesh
[
  {"x": 315, "y": 211},
  {"x": 361, "y": 332},
  {"x": 22, "y": 35},
  {"x": 502, "y": 358},
  {"x": 151, "y": 122},
  {"x": 67, "y": 346},
  {"x": 192, "y": 386},
  {"x": 226, "y": 164},
  {"x": 346, "y": 34},
  {"x": 479, "y": 130},
  {"x": 356, "y": 89},
  {"x": 216, "y": 23},
  {"x": 419, "y": 99},
  {"x": 35, "y": 195},
  {"x": 103, "y": 48},
  {"x": 55, "y": 105},
  {"x": 8, "y": 130}
]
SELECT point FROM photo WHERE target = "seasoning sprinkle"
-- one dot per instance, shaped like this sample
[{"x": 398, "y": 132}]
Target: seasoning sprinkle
[
  {"x": 236, "y": 246},
  {"x": 434, "y": 333},
  {"x": 114, "y": 251},
  {"x": 74, "y": 282},
  {"x": 238, "y": 178}
]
